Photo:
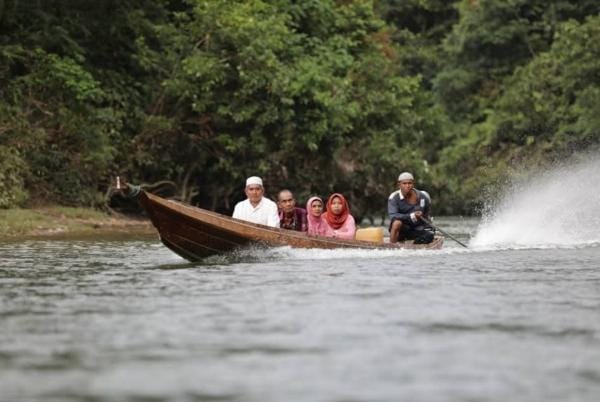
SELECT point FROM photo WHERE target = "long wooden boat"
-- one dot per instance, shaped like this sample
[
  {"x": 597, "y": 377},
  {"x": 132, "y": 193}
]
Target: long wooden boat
[{"x": 195, "y": 233}]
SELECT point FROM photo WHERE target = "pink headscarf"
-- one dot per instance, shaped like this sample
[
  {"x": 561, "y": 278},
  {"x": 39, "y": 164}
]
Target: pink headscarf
[{"x": 316, "y": 225}]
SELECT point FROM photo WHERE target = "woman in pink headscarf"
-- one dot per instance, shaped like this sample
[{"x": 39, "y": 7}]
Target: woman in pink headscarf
[
  {"x": 316, "y": 224},
  {"x": 341, "y": 223}
]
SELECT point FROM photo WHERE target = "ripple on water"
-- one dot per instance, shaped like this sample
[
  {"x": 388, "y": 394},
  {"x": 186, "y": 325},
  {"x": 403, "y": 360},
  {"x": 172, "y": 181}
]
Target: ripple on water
[{"x": 120, "y": 321}]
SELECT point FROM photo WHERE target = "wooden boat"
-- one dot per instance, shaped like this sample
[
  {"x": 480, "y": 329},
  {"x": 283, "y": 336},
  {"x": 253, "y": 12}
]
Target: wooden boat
[{"x": 195, "y": 233}]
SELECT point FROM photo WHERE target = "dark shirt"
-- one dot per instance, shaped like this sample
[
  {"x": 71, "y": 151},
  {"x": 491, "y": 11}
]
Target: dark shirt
[
  {"x": 297, "y": 221},
  {"x": 400, "y": 208}
]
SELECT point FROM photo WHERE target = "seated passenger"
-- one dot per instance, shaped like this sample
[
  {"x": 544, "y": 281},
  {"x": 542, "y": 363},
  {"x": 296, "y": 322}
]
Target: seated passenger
[
  {"x": 290, "y": 216},
  {"x": 406, "y": 206},
  {"x": 256, "y": 208},
  {"x": 317, "y": 226},
  {"x": 341, "y": 224}
]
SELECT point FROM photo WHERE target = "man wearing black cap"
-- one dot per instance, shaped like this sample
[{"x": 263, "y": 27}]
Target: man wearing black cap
[{"x": 406, "y": 206}]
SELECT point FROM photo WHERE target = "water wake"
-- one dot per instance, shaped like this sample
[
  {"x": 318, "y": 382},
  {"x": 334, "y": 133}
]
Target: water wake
[{"x": 557, "y": 208}]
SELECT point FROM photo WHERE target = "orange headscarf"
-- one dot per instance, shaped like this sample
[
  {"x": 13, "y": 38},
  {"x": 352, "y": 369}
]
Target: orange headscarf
[{"x": 336, "y": 221}]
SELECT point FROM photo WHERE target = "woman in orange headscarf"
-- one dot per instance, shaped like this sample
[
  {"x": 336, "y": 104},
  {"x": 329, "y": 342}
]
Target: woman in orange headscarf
[{"x": 341, "y": 223}]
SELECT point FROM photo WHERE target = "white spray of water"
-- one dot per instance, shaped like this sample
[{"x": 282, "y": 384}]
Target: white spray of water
[{"x": 560, "y": 207}]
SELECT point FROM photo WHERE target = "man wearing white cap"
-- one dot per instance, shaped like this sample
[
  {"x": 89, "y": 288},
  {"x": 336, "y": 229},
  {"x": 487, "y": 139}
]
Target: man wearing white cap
[
  {"x": 406, "y": 206},
  {"x": 256, "y": 208}
]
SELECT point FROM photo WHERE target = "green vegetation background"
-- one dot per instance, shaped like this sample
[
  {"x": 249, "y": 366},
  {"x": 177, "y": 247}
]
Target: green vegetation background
[{"x": 315, "y": 96}]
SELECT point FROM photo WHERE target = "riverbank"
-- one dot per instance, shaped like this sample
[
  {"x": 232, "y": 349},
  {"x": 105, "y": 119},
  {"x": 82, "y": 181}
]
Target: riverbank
[{"x": 60, "y": 222}]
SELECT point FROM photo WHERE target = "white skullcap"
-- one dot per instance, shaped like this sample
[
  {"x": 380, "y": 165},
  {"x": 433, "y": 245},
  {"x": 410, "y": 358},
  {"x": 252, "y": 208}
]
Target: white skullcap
[
  {"x": 404, "y": 176},
  {"x": 253, "y": 180}
]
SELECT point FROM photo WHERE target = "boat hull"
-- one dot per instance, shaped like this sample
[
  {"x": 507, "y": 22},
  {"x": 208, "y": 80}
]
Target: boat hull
[{"x": 195, "y": 233}]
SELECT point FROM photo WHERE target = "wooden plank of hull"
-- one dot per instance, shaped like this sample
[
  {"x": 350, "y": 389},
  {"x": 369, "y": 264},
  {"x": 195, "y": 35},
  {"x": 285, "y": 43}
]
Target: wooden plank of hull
[{"x": 196, "y": 233}]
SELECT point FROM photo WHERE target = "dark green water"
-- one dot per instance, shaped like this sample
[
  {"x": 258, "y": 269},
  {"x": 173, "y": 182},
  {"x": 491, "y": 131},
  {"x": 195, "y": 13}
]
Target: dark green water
[{"x": 130, "y": 321}]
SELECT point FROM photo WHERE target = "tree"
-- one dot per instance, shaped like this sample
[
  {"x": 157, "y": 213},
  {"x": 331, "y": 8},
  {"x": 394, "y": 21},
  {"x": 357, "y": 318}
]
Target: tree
[
  {"x": 547, "y": 111},
  {"x": 420, "y": 29},
  {"x": 491, "y": 39},
  {"x": 290, "y": 91},
  {"x": 70, "y": 91}
]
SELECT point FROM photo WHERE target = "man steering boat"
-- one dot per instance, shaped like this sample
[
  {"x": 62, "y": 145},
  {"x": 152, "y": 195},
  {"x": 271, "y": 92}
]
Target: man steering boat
[{"x": 406, "y": 207}]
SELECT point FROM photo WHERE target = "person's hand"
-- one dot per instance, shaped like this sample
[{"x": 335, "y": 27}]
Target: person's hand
[{"x": 418, "y": 215}]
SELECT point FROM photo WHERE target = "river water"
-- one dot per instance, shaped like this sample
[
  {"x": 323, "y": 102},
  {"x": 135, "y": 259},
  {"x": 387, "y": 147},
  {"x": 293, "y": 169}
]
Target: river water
[{"x": 510, "y": 318}]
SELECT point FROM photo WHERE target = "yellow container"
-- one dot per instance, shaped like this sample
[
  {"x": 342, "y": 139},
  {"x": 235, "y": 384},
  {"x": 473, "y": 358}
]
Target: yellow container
[{"x": 370, "y": 234}]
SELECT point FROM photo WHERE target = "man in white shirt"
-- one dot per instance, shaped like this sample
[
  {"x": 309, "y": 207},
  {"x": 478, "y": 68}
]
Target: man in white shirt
[{"x": 256, "y": 208}]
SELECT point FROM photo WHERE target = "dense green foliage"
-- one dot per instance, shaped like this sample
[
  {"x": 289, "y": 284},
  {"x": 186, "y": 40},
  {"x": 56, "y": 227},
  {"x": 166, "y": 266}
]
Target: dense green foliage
[
  {"x": 317, "y": 96},
  {"x": 525, "y": 98}
]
